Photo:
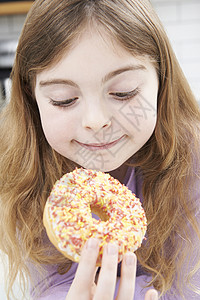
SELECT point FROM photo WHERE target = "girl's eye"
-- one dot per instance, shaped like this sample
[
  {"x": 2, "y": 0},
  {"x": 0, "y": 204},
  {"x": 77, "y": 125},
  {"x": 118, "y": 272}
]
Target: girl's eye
[
  {"x": 63, "y": 103},
  {"x": 121, "y": 96}
]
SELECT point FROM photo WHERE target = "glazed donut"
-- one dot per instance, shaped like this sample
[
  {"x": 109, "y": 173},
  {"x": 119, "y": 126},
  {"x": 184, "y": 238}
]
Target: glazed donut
[{"x": 68, "y": 214}]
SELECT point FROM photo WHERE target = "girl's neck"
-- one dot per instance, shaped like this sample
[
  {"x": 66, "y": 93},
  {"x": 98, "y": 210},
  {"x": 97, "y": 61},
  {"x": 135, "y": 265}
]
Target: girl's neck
[{"x": 119, "y": 173}]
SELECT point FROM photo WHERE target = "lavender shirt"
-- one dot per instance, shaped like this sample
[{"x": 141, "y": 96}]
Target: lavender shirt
[{"x": 51, "y": 285}]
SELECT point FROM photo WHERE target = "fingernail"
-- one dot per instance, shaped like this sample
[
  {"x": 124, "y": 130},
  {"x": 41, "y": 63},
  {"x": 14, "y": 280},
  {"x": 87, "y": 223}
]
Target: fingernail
[
  {"x": 112, "y": 249},
  {"x": 130, "y": 259},
  {"x": 154, "y": 295},
  {"x": 92, "y": 243}
]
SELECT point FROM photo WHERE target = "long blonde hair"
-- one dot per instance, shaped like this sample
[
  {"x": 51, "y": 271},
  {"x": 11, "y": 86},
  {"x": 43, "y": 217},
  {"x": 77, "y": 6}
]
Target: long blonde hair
[{"x": 29, "y": 166}]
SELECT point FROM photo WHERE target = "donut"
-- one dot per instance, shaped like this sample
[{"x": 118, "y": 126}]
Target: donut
[{"x": 69, "y": 220}]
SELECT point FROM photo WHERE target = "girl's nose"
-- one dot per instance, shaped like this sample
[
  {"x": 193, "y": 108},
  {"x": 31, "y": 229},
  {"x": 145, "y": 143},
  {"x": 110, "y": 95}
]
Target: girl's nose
[{"x": 96, "y": 117}]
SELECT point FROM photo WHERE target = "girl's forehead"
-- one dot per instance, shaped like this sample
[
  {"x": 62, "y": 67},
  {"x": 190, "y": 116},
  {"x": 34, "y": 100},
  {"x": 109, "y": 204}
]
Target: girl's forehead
[{"x": 95, "y": 42}]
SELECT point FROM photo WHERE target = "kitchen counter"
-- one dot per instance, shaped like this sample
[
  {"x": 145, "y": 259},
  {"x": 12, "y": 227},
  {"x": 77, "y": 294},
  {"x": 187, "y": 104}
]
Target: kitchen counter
[{"x": 15, "y": 8}]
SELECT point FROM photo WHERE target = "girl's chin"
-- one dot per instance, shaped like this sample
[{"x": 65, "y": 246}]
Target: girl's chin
[
  {"x": 106, "y": 168},
  {"x": 99, "y": 163}
]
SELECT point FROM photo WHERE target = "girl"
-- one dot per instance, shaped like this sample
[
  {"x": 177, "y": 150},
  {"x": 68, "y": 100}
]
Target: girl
[{"x": 96, "y": 84}]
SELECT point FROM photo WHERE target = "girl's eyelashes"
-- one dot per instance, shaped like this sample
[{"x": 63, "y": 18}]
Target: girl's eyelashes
[
  {"x": 63, "y": 103},
  {"x": 121, "y": 96}
]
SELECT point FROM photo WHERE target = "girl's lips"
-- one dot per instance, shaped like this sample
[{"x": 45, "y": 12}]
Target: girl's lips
[{"x": 99, "y": 146}]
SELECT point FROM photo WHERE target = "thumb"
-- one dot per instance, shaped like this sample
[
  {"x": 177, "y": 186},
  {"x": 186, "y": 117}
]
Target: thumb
[{"x": 151, "y": 295}]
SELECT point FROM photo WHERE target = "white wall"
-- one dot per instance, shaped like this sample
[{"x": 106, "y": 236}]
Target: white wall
[
  {"x": 16, "y": 289},
  {"x": 181, "y": 19},
  {"x": 2, "y": 294},
  {"x": 10, "y": 26}
]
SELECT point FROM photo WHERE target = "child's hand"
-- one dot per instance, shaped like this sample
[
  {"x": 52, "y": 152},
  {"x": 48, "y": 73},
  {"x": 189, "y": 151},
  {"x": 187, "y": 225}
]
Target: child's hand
[{"x": 83, "y": 286}]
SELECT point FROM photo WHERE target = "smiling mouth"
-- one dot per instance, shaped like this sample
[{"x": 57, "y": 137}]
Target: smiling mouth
[{"x": 99, "y": 146}]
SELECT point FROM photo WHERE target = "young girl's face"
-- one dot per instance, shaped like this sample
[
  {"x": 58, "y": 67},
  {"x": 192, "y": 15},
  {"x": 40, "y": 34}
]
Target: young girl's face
[{"x": 98, "y": 104}]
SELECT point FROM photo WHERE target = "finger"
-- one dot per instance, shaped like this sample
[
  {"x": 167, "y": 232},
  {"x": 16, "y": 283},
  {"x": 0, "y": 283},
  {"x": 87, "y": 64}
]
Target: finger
[
  {"x": 93, "y": 290},
  {"x": 85, "y": 273},
  {"x": 108, "y": 275},
  {"x": 127, "y": 280},
  {"x": 151, "y": 295}
]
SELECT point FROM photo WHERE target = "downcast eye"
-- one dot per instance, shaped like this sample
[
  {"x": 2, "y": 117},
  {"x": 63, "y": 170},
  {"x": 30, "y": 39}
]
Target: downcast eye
[
  {"x": 125, "y": 95},
  {"x": 63, "y": 103}
]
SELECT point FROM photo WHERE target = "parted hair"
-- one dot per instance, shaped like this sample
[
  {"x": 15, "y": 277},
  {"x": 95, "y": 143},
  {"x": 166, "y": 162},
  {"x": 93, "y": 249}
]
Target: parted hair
[{"x": 29, "y": 166}]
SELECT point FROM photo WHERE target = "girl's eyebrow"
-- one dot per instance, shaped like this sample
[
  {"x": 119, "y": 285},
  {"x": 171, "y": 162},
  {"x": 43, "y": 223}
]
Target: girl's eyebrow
[
  {"x": 122, "y": 70},
  {"x": 105, "y": 79},
  {"x": 58, "y": 81}
]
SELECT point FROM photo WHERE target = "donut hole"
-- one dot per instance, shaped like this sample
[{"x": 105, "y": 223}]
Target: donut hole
[{"x": 99, "y": 213}]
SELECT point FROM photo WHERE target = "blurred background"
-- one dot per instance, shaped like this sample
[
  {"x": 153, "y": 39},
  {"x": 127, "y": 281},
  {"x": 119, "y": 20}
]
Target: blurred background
[{"x": 181, "y": 19}]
